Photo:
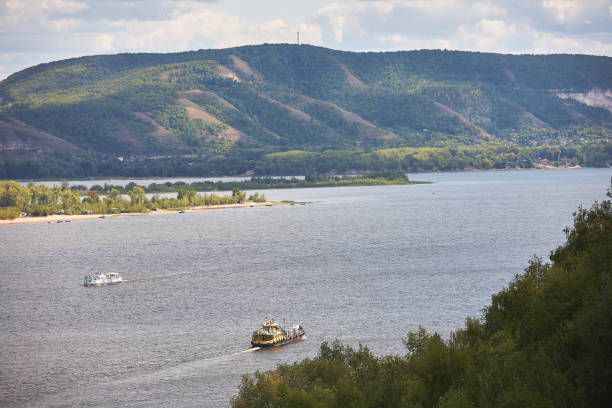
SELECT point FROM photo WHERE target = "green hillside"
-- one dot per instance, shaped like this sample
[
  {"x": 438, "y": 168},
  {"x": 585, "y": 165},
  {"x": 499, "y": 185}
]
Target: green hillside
[{"x": 246, "y": 102}]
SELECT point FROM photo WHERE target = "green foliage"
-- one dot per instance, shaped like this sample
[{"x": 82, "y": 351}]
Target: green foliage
[
  {"x": 257, "y": 198},
  {"x": 40, "y": 200},
  {"x": 137, "y": 196},
  {"x": 9, "y": 213},
  {"x": 543, "y": 342},
  {"x": 12, "y": 194},
  {"x": 233, "y": 162},
  {"x": 410, "y": 99},
  {"x": 272, "y": 117},
  {"x": 318, "y": 180},
  {"x": 238, "y": 195},
  {"x": 176, "y": 119},
  {"x": 419, "y": 159}
]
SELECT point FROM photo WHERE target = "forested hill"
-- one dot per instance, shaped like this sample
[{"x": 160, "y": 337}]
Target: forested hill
[{"x": 255, "y": 100}]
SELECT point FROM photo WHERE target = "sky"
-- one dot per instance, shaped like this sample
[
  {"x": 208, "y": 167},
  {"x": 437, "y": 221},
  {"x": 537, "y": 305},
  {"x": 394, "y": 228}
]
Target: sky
[{"x": 37, "y": 31}]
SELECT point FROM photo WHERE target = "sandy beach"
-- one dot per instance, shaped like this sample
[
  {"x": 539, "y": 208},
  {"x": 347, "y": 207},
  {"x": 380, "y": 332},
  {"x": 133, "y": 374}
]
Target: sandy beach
[{"x": 69, "y": 218}]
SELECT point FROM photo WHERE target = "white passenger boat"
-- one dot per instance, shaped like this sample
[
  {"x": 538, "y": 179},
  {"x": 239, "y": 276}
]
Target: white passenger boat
[{"x": 100, "y": 278}]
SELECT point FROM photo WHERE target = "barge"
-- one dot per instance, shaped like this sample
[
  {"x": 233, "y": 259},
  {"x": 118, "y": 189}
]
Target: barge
[{"x": 271, "y": 334}]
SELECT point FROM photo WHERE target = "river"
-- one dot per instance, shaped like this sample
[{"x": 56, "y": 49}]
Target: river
[{"x": 359, "y": 264}]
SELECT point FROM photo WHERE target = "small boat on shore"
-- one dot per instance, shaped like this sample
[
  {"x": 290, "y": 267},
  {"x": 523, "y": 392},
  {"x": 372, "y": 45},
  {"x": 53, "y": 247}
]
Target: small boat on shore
[
  {"x": 100, "y": 279},
  {"x": 272, "y": 334}
]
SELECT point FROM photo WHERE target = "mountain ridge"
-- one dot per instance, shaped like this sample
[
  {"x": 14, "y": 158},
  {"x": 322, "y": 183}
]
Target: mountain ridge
[{"x": 280, "y": 97}]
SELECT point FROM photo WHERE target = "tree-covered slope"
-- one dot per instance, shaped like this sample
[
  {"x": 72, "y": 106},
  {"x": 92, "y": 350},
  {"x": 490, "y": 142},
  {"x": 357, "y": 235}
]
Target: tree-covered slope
[
  {"x": 280, "y": 97},
  {"x": 545, "y": 341}
]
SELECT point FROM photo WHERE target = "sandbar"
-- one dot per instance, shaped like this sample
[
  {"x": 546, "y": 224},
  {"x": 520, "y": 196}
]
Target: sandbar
[{"x": 69, "y": 218}]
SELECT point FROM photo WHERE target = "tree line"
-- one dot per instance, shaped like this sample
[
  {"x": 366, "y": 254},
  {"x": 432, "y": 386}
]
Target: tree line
[
  {"x": 260, "y": 183},
  {"x": 263, "y": 163},
  {"x": 40, "y": 200}
]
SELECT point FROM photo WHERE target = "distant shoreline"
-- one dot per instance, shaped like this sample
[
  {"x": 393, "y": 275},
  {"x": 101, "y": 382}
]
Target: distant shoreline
[
  {"x": 58, "y": 218},
  {"x": 248, "y": 176},
  {"x": 535, "y": 167}
]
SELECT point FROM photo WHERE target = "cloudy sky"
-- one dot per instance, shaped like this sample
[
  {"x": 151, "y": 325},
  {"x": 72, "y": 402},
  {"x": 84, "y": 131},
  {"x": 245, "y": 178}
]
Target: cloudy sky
[{"x": 35, "y": 31}]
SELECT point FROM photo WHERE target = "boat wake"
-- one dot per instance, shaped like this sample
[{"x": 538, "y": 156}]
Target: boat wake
[
  {"x": 188, "y": 369},
  {"x": 181, "y": 371},
  {"x": 252, "y": 349},
  {"x": 171, "y": 275}
]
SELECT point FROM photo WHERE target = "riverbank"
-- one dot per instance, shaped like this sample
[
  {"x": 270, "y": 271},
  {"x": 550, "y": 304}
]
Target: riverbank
[{"x": 58, "y": 218}]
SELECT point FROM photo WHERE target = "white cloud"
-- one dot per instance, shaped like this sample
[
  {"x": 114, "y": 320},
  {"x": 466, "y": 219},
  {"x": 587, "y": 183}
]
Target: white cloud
[
  {"x": 62, "y": 25},
  {"x": 391, "y": 20},
  {"x": 23, "y": 11},
  {"x": 311, "y": 34},
  {"x": 36, "y": 30},
  {"x": 487, "y": 35},
  {"x": 563, "y": 9},
  {"x": 496, "y": 28},
  {"x": 546, "y": 43},
  {"x": 486, "y": 9},
  {"x": 338, "y": 27},
  {"x": 404, "y": 42},
  {"x": 62, "y": 6},
  {"x": 104, "y": 43},
  {"x": 191, "y": 25},
  {"x": 47, "y": 6},
  {"x": 490, "y": 34},
  {"x": 574, "y": 11},
  {"x": 273, "y": 25}
]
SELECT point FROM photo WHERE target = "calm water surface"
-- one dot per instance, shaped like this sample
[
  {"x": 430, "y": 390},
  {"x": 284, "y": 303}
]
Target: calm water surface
[{"x": 361, "y": 264}]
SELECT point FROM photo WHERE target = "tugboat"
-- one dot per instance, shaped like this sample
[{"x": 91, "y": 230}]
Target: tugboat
[
  {"x": 99, "y": 279},
  {"x": 272, "y": 334}
]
